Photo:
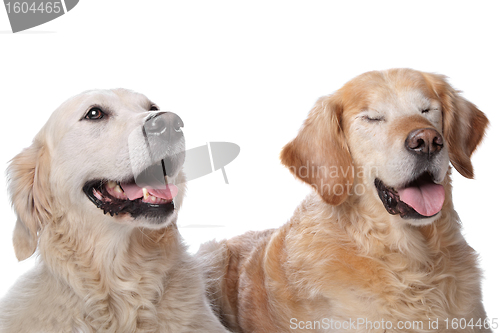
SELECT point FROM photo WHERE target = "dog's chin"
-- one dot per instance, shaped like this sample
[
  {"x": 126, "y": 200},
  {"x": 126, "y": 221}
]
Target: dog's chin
[
  {"x": 148, "y": 222},
  {"x": 144, "y": 207},
  {"x": 420, "y": 222},
  {"x": 418, "y": 202}
]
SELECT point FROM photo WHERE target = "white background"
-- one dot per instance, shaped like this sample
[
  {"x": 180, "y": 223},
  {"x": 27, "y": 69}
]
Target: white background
[{"x": 248, "y": 73}]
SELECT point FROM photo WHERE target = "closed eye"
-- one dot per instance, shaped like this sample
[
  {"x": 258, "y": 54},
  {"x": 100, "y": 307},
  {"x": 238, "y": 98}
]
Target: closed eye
[
  {"x": 373, "y": 119},
  {"x": 427, "y": 110}
]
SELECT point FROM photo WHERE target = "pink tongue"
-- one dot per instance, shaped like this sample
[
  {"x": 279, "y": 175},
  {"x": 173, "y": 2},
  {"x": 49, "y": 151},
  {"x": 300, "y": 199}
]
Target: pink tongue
[
  {"x": 426, "y": 199},
  {"x": 167, "y": 193},
  {"x": 132, "y": 191},
  {"x": 135, "y": 192}
]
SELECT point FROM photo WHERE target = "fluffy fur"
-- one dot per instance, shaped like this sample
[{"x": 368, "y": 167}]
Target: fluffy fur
[
  {"x": 342, "y": 257},
  {"x": 96, "y": 272}
]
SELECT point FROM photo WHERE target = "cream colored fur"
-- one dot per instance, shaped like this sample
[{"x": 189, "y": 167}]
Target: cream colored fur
[{"x": 96, "y": 273}]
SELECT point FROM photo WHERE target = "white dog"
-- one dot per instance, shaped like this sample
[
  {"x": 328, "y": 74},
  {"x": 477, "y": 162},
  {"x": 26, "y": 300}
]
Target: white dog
[{"x": 111, "y": 257}]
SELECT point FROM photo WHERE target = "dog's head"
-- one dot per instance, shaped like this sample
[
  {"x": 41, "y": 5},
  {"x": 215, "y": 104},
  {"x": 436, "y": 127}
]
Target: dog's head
[
  {"x": 107, "y": 156},
  {"x": 389, "y": 134}
]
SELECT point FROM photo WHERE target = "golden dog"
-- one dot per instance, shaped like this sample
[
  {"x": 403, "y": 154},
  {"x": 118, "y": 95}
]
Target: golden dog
[{"x": 377, "y": 246}]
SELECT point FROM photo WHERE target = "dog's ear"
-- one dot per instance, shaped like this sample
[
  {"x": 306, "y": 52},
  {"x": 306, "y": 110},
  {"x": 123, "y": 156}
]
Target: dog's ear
[
  {"x": 463, "y": 124},
  {"x": 28, "y": 175},
  {"x": 319, "y": 154}
]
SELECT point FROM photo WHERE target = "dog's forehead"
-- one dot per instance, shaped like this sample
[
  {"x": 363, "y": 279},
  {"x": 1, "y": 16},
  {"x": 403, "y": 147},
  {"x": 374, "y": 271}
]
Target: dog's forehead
[
  {"x": 392, "y": 90},
  {"x": 400, "y": 100},
  {"x": 124, "y": 102},
  {"x": 117, "y": 98}
]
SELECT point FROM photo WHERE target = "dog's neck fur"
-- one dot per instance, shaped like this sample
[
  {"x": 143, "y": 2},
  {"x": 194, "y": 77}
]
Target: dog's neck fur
[
  {"x": 118, "y": 273},
  {"x": 417, "y": 260},
  {"x": 376, "y": 233}
]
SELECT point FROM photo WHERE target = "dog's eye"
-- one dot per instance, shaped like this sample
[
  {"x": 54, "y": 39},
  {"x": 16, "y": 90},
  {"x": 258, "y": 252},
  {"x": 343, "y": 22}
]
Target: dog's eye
[
  {"x": 425, "y": 110},
  {"x": 94, "y": 114},
  {"x": 154, "y": 108},
  {"x": 373, "y": 119}
]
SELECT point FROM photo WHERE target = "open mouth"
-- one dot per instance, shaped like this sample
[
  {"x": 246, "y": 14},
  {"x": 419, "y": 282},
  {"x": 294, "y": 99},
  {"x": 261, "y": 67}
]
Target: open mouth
[
  {"x": 127, "y": 197},
  {"x": 421, "y": 198}
]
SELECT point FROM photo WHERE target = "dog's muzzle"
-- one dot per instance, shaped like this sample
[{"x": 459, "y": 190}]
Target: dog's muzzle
[
  {"x": 148, "y": 192},
  {"x": 420, "y": 197}
]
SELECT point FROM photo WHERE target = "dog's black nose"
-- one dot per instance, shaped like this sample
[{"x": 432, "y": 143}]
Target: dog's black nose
[
  {"x": 424, "y": 141},
  {"x": 165, "y": 124}
]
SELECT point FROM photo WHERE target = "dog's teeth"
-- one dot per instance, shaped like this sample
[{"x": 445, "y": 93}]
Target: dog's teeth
[
  {"x": 112, "y": 184},
  {"x": 145, "y": 193},
  {"x": 118, "y": 188},
  {"x": 97, "y": 194}
]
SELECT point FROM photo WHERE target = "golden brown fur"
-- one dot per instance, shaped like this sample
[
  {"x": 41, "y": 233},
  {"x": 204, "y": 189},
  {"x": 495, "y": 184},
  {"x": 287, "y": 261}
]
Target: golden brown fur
[{"x": 342, "y": 256}]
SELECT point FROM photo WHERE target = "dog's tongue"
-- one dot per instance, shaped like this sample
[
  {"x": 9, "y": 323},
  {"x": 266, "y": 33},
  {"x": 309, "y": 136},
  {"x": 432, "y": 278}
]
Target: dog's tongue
[
  {"x": 132, "y": 191},
  {"x": 167, "y": 193},
  {"x": 427, "y": 199},
  {"x": 135, "y": 192}
]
